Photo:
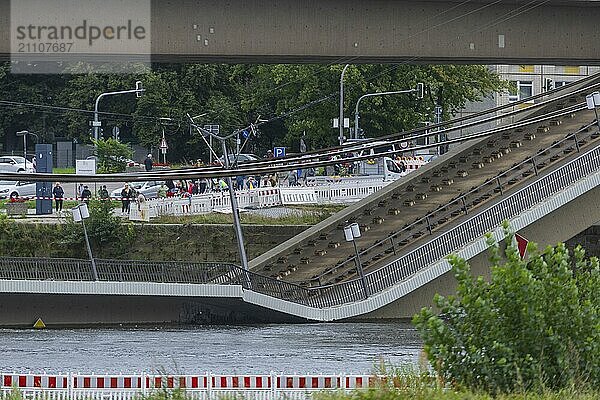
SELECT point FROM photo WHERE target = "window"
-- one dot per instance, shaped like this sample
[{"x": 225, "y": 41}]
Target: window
[{"x": 520, "y": 91}]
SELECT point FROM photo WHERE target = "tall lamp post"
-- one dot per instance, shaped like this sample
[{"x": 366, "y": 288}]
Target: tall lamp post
[
  {"x": 593, "y": 102},
  {"x": 24, "y": 134},
  {"x": 351, "y": 233},
  {"x": 419, "y": 90},
  {"x": 96, "y": 124},
  {"x": 232, "y": 197},
  {"x": 80, "y": 213},
  {"x": 341, "y": 121}
]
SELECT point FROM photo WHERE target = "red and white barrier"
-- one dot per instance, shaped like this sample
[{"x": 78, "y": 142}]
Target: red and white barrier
[{"x": 207, "y": 386}]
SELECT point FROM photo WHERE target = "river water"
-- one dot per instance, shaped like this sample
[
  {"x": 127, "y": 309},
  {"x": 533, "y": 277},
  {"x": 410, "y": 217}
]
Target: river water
[{"x": 306, "y": 348}]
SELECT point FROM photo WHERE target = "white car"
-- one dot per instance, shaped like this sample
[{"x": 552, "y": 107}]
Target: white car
[
  {"x": 149, "y": 189},
  {"x": 15, "y": 164},
  {"x": 17, "y": 189}
]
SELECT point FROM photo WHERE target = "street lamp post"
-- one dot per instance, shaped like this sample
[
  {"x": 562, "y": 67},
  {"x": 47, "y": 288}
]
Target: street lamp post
[
  {"x": 593, "y": 102},
  {"x": 80, "y": 213},
  {"x": 24, "y": 134},
  {"x": 351, "y": 233},
  {"x": 96, "y": 123},
  {"x": 341, "y": 121},
  {"x": 418, "y": 90}
]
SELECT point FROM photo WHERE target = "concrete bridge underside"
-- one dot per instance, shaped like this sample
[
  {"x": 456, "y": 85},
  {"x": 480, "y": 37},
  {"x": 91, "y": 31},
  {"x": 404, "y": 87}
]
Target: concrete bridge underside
[{"x": 358, "y": 31}]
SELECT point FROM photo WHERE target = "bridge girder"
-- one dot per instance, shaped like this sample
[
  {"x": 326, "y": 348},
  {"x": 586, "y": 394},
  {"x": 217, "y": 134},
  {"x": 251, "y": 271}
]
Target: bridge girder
[{"x": 358, "y": 31}]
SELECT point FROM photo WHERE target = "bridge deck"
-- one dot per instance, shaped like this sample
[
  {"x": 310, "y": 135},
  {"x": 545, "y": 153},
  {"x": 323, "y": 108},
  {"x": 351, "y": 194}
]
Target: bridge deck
[{"x": 324, "y": 257}]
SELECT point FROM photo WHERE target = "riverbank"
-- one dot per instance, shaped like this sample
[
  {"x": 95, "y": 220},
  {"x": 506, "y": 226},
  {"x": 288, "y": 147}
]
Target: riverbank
[{"x": 159, "y": 242}]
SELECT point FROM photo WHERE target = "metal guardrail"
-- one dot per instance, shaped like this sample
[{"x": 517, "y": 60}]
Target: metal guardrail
[
  {"x": 68, "y": 269},
  {"x": 334, "y": 295}
]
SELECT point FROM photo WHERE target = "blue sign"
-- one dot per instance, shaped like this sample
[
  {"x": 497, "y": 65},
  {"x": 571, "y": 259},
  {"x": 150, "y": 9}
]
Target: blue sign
[
  {"x": 245, "y": 134},
  {"x": 279, "y": 152}
]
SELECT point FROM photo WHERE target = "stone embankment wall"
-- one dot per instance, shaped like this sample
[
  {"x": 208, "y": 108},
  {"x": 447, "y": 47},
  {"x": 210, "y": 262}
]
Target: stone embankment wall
[{"x": 145, "y": 242}]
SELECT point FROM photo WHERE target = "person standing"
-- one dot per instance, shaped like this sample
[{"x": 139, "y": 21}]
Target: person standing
[
  {"x": 126, "y": 196},
  {"x": 58, "y": 193},
  {"x": 162, "y": 191},
  {"x": 103, "y": 193},
  {"x": 148, "y": 163},
  {"x": 86, "y": 194}
]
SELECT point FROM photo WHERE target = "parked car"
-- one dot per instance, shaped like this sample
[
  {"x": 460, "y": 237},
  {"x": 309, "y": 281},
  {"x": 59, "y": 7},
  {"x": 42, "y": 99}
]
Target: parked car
[
  {"x": 15, "y": 164},
  {"x": 241, "y": 158},
  {"x": 149, "y": 189},
  {"x": 17, "y": 189}
]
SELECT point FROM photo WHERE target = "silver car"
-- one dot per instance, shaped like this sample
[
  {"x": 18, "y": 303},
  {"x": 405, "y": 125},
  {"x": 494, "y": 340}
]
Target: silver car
[
  {"x": 15, "y": 164},
  {"x": 149, "y": 189},
  {"x": 17, "y": 189}
]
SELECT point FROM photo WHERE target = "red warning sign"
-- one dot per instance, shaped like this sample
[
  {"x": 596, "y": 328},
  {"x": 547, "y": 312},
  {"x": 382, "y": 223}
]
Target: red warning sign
[{"x": 521, "y": 245}]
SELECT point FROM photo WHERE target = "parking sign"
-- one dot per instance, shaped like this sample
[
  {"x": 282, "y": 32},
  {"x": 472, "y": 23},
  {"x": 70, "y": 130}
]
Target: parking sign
[{"x": 279, "y": 152}]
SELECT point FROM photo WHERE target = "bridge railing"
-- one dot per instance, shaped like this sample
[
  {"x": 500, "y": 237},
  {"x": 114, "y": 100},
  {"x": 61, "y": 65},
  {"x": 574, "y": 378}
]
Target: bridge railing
[
  {"x": 31, "y": 268},
  {"x": 68, "y": 269},
  {"x": 462, "y": 204}
]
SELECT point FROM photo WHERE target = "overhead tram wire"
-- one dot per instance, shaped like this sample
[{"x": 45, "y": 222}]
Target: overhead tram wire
[
  {"x": 413, "y": 134},
  {"x": 71, "y": 109},
  {"x": 399, "y": 137},
  {"x": 404, "y": 136},
  {"x": 179, "y": 174},
  {"x": 195, "y": 174}
]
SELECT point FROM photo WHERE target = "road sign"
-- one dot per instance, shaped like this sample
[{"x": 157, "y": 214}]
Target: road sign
[
  {"x": 96, "y": 124},
  {"x": 163, "y": 143},
  {"x": 214, "y": 129},
  {"x": 521, "y": 245},
  {"x": 279, "y": 152}
]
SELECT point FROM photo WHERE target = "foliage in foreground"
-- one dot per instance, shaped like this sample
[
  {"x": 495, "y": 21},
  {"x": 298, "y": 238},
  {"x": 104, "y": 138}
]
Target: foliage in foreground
[{"x": 534, "y": 326}]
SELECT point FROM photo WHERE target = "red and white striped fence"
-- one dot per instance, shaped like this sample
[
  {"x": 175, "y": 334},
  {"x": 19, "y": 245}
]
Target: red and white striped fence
[{"x": 207, "y": 386}]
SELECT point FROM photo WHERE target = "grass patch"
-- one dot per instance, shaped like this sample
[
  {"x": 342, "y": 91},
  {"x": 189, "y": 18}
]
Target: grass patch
[
  {"x": 67, "y": 204},
  {"x": 69, "y": 170},
  {"x": 247, "y": 219}
]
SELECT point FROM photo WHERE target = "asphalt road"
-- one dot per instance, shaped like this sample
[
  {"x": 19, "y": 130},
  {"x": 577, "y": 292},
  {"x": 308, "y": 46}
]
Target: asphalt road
[{"x": 70, "y": 188}]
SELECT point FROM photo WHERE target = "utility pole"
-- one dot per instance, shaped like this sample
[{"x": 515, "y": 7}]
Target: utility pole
[{"x": 341, "y": 121}]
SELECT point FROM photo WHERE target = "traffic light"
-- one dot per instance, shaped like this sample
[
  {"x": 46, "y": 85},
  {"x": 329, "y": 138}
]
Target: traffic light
[
  {"x": 139, "y": 90},
  {"x": 420, "y": 90},
  {"x": 549, "y": 84}
]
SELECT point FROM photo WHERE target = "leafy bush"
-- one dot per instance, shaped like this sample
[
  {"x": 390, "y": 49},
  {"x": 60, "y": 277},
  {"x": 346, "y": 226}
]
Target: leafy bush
[
  {"x": 535, "y": 325},
  {"x": 112, "y": 155},
  {"x": 103, "y": 228}
]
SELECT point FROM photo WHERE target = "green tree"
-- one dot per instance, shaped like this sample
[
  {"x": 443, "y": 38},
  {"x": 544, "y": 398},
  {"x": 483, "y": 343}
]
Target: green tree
[
  {"x": 112, "y": 155},
  {"x": 535, "y": 324},
  {"x": 279, "y": 89}
]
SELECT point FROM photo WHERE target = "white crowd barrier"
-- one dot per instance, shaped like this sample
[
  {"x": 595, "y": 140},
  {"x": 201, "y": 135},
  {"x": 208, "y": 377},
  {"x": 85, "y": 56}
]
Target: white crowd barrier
[
  {"x": 342, "y": 192},
  {"x": 206, "y": 386}
]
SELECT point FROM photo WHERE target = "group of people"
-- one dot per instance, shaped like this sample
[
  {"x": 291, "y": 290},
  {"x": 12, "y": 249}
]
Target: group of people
[{"x": 83, "y": 193}]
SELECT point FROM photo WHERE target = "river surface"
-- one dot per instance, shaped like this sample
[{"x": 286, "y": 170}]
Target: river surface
[{"x": 308, "y": 348}]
